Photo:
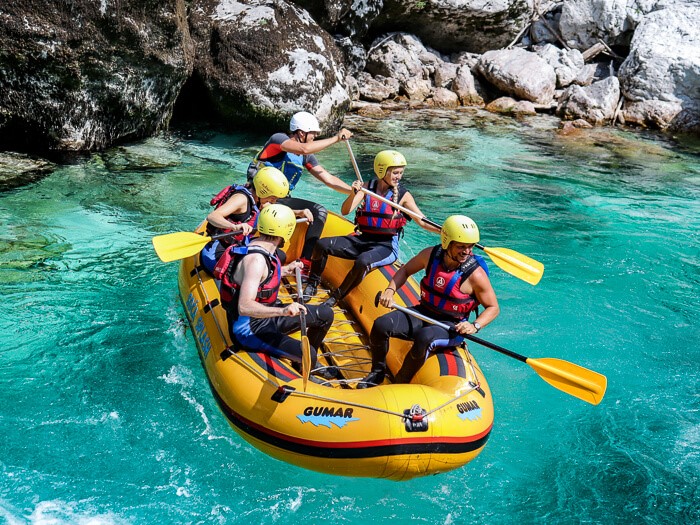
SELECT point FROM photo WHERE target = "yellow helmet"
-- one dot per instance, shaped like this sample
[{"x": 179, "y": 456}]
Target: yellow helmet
[
  {"x": 459, "y": 228},
  {"x": 270, "y": 182},
  {"x": 277, "y": 220},
  {"x": 387, "y": 159}
]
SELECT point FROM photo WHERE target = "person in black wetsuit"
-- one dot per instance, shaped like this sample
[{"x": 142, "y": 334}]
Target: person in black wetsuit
[
  {"x": 237, "y": 209},
  {"x": 379, "y": 227},
  {"x": 455, "y": 284}
]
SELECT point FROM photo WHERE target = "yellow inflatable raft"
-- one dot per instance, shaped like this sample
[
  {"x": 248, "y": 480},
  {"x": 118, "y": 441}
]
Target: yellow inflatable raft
[{"x": 439, "y": 422}]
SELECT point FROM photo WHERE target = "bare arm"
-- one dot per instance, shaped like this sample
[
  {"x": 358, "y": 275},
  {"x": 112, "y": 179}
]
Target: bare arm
[
  {"x": 354, "y": 199},
  {"x": 329, "y": 180},
  {"x": 290, "y": 268},
  {"x": 409, "y": 202},
  {"x": 480, "y": 285},
  {"x": 308, "y": 148},
  {"x": 238, "y": 203},
  {"x": 416, "y": 264},
  {"x": 250, "y": 273}
]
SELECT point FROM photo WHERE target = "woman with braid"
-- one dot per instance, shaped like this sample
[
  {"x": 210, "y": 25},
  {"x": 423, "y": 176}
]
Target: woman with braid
[{"x": 376, "y": 243}]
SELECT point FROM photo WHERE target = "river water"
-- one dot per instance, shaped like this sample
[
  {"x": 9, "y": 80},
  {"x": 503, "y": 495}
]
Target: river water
[{"x": 106, "y": 413}]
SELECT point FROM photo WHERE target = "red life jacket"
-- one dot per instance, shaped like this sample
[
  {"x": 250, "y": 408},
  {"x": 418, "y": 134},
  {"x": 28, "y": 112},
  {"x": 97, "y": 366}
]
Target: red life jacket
[
  {"x": 249, "y": 216},
  {"x": 440, "y": 288},
  {"x": 377, "y": 217},
  {"x": 267, "y": 289}
]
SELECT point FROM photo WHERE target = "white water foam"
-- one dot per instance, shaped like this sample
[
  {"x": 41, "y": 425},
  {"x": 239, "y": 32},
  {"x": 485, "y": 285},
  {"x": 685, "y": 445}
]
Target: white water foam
[{"x": 179, "y": 375}]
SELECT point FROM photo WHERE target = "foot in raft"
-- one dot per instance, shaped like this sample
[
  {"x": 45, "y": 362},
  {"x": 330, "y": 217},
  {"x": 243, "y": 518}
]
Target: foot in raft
[
  {"x": 326, "y": 372},
  {"x": 374, "y": 378},
  {"x": 332, "y": 300},
  {"x": 310, "y": 289}
]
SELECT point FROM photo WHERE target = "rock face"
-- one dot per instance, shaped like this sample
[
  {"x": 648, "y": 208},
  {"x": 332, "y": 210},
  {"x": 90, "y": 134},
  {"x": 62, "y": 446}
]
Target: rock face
[
  {"x": 260, "y": 61},
  {"x": 82, "y": 75},
  {"x": 519, "y": 73},
  {"x": 456, "y": 25},
  {"x": 351, "y": 18},
  {"x": 596, "y": 103},
  {"x": 584, "y": 22},
  {"x": 661, "y": 76}
]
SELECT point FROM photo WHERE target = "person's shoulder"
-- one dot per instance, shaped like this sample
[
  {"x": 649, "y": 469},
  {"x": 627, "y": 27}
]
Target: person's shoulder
[
  {"x": 426, "y": 253},
  {"x": 278, "y": 138}
]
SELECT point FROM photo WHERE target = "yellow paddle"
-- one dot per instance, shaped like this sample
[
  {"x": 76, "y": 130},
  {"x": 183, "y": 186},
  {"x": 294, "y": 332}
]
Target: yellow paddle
[
  {"x": 305, "y": 345},
  {"x": 568, "y": 377},
  {"x": 515, "y": 263},
  {"x": 178, "y": 245}
]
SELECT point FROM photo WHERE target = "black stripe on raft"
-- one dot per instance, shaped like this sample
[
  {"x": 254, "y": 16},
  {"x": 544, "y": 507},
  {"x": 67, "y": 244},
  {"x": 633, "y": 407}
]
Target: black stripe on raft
[
  {"x": 277, "y": 368},
  {"x": 341, "y": 451},
  {"x": 451, "y": 363}
]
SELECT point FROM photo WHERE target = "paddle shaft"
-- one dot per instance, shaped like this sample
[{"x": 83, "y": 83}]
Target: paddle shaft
[
  {"x": 403, "y": 209},
  {"x": 300, "y": 293},
  {"x": 408, "y": 212},
  {"x": 478, "y": 340},
  {"x": 354, "y": 162}
]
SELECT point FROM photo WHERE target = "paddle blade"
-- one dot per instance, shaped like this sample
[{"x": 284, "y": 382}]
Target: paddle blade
[
  {"x": 178, "y": 245},
  {"x": 573, "y": 379},
  {"x": 517, "y": 264},
  {"x": 305, "y": 360}
]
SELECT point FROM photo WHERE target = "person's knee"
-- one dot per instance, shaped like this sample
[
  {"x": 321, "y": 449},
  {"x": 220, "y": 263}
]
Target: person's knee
[
  {"x": 360, "y": 266},
  {"x": 322, "y": 316},
  {"x": 382, "y": 327},
  {"x": 319, "y": 212},
  {"x": 322, "y": 247}
]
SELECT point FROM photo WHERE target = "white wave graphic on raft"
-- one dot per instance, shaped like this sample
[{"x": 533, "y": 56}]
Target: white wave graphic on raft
[
  {"x": 471, "y": 415},
  {"x": 179, "y": 375},
  {"x": 325, "y": 421}
]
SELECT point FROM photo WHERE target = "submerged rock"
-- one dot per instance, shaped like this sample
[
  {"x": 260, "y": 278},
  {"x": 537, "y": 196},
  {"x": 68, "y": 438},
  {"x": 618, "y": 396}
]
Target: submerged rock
[{"x": 18, "y": 170}]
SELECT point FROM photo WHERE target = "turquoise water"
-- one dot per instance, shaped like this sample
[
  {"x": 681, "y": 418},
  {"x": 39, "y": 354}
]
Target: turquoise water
[{"x": 107, "y": 417}]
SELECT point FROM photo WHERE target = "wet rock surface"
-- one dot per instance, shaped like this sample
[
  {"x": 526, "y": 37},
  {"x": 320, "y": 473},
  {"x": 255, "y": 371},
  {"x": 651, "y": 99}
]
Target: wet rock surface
[{"x": 76, "y": 76}]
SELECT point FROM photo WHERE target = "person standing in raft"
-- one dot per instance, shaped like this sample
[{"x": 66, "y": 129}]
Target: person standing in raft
[
  {"x": 249, "y": 289},
  {"x": 379, "y": 227},
  {"x": 237, "y": 209},
  {"x": 455, "y": 284},
  {"x": 291, "y": 153}
]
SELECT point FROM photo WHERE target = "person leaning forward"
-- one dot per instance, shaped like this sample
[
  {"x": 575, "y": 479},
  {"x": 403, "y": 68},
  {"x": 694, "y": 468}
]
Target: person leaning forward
[
  {"x": 236, "y": 212},
  {"x": 257, "y": 320},
  {"x": 293, "y": 152},
  {"x": 455, "y": 284}
]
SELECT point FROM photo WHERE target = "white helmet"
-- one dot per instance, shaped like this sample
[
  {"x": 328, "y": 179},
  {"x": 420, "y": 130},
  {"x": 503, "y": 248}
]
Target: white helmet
[{"x": 304, "y": 121}]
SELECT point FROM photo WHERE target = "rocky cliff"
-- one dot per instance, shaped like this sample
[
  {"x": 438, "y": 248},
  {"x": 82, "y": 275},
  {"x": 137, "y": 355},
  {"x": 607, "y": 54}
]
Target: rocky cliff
[{"x": 81, "y": 75}]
